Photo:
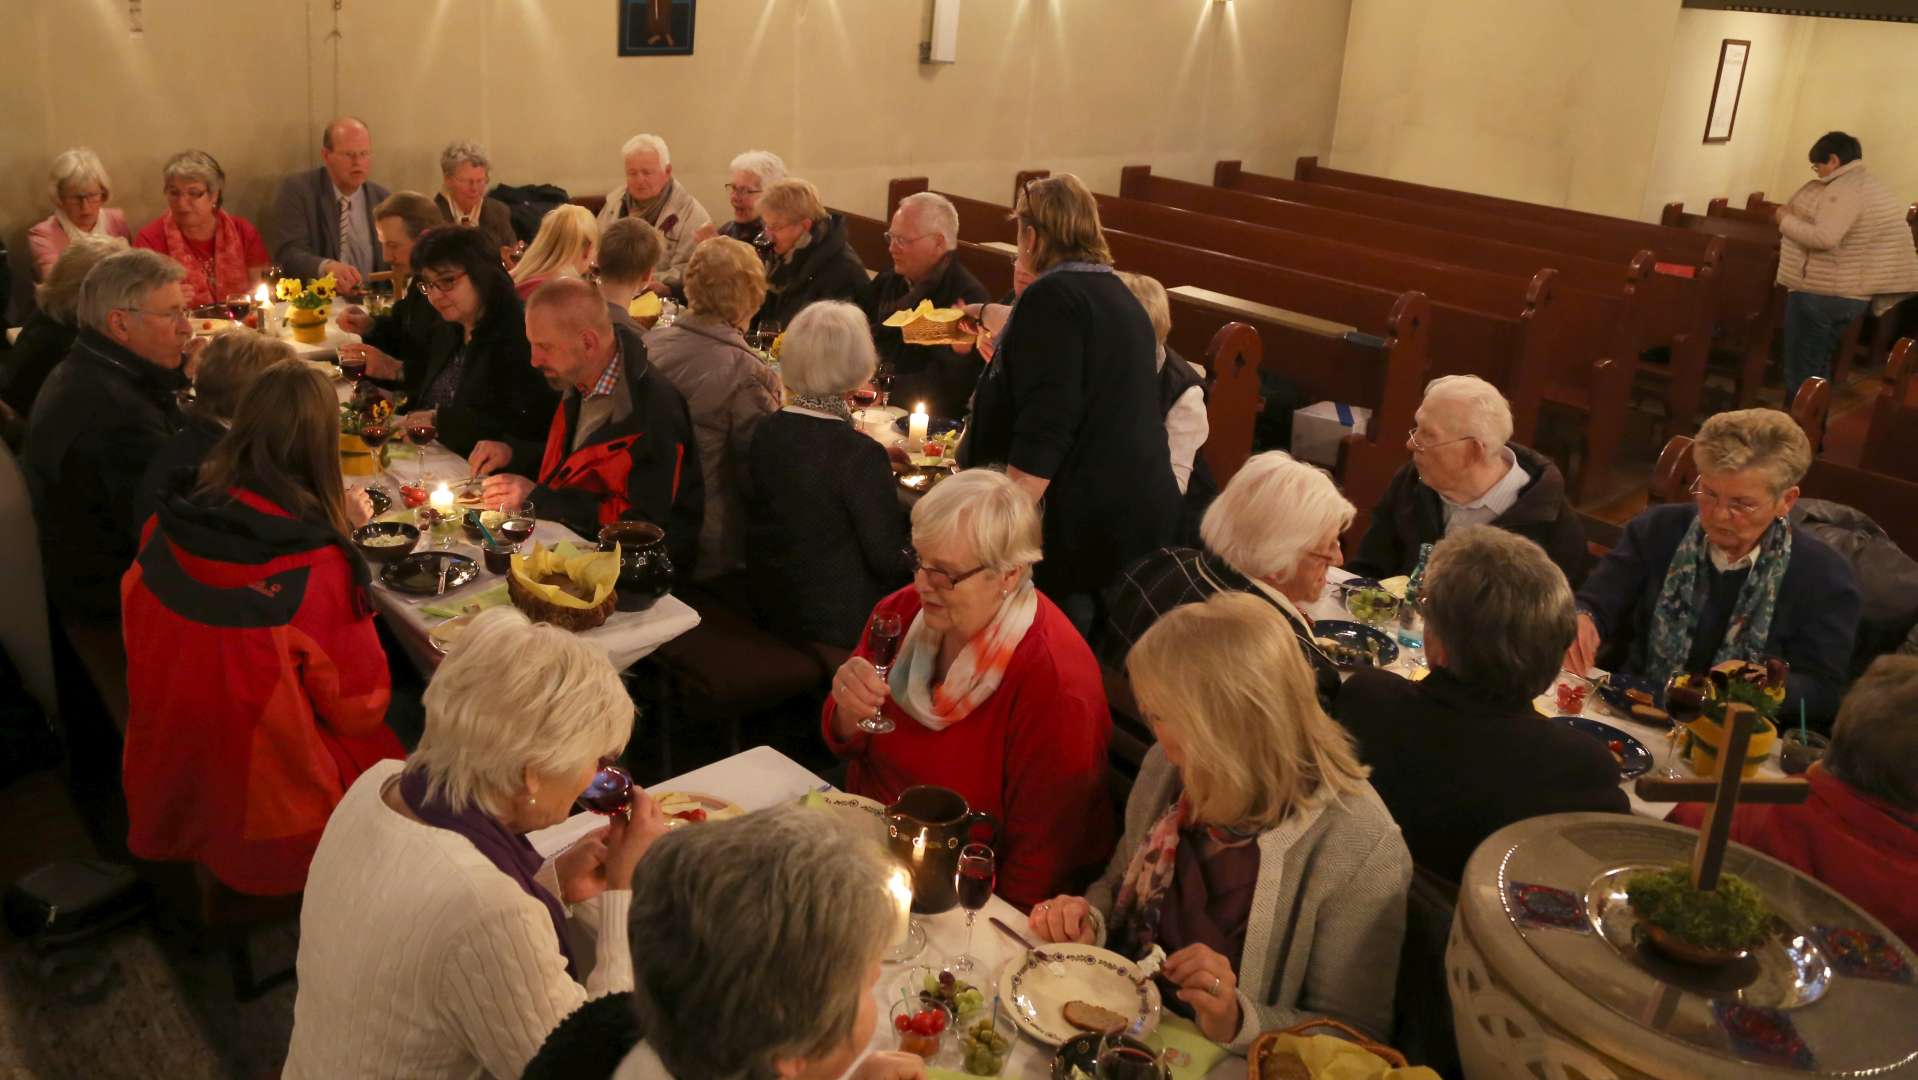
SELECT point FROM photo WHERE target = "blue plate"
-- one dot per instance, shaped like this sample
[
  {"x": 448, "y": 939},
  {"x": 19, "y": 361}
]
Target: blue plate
[
  {"x": 1357, "y": 636},
  {"x": 935, "y": 426},
  {"x": 1612, "y": 691},
  {"x": 1636, "y": 760}
]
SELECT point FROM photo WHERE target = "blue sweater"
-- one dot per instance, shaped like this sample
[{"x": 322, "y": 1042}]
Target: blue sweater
[{"x": 1812, "y": 626}]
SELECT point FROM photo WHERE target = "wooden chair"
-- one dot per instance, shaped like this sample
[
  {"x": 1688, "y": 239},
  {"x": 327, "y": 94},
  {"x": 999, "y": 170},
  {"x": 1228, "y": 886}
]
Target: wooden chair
[
  {"x": 1811, "y": 408},
  {"x": 1232, "y": 405},
  {"x": 25, "y": 631},
  {"x": 594, "y": 203},
  {"x": 228, "y": 921},
  {"x": 1131, "y": 738},
  {"x": 1422, "y": 1007},
  {"x": 1890, "y": 446}
]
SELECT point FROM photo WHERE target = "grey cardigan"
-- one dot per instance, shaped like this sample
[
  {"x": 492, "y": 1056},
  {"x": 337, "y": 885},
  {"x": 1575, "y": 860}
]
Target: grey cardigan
[{"x": 1328, "y": 911}]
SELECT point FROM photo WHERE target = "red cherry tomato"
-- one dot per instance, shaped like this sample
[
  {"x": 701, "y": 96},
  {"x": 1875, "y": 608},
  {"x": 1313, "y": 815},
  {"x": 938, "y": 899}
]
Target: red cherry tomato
[{"x": 902, "y": 1023}]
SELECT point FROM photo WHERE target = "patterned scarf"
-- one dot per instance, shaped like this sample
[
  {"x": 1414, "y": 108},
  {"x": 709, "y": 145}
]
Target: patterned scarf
[
  {"x": 1688, "y": 583},
  {"x": 649, "y": 210},
  {"x": 835, "y": 405},
  {"x": 1149, "y": 873},
  {"x": 973, "y": 676},
  {"x": 227, "y": 268}
]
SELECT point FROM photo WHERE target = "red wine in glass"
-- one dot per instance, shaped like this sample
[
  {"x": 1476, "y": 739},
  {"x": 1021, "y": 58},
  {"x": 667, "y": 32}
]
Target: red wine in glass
[
  {"x": 421, "y": 435},
  {"x": 611, "y": 791},
  {"x": 375, "y": 435},
  {"x": 882, "y": 643},
  {"x": 353, "y": 367},
  {"x": 978, "y": 871},
  {"x": 1122, "y": 1062},
  {"x": 865, "y": 397},
  {"x": 516, "y": 530}
]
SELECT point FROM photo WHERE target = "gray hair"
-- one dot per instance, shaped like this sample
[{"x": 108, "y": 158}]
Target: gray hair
[
  {"x": 1473, "y": 408},
  {"x": 753, "y": 939},
  {"x": 74, "y": 167},
  {"x": 652, "y": 144},
  {"x": 190, "y": 165},
  {"x": 59, "y": 295},
  {"x": 1501, "y": 609},
  {"x": 1874, "y": 743},
  {"x": 828, "y": 349},
  {"x": 935, "y": 212},
  {"x": 463, "y": 152},
  {"x": 1271, "y": 513},
  {"x": 1152, "y": 297},
  {"x": 766, "y": 165},
  {"x": 121, "y": 281},
  {"x": 515, "y": 695},
  {"x": 1754, "y": 439},
  {"x": 985, "y": 509}
]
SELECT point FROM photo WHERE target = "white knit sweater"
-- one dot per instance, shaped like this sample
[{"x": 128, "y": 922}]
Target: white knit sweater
[{"x": 420, "y": 959}]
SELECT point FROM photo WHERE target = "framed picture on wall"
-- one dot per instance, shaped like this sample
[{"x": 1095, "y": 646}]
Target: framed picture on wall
[
  {"x": 1732, "y": 56},
  {"x": 656, "y": 27}
]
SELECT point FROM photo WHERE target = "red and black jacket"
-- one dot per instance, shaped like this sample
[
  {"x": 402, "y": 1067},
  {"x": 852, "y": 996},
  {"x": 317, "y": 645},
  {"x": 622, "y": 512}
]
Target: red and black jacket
[{"x": 642, "y": 467}]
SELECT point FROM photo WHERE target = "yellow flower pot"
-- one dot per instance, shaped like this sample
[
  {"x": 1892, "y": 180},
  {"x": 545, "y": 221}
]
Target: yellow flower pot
[
  {"x": 356, "y": 458},
  {"x": 307, "y": 324},
  {"x": 1705, "y": 737}
]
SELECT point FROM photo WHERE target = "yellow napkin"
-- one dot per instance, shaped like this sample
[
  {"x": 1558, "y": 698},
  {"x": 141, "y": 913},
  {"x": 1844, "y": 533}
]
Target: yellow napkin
[
  {"x": 1328, "y": 1057},
  {"x": 492, "y": 597},
  {"x": 644, "y": 306},
  {"x": 598, "y": 570},
  {"x": 1190, "y": 1053},
  {"x": 925, "y": 310}
]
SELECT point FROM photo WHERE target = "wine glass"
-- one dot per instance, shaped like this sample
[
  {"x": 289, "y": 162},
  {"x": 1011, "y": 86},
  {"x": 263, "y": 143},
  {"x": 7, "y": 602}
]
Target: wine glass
[
  {"x": 353, "y": 367},
  {"x": 1122, "y": 1060},
  {"x": 1684, "y": 702},
  {"x": 517, "y": 526},
  {"x": 978, "y": 871},
  {"x": 883, "y": 639},
  {"x": 374, "y": 434},
  {"x": 611, "y": 791},
  {"x": 421, "y": 434}
]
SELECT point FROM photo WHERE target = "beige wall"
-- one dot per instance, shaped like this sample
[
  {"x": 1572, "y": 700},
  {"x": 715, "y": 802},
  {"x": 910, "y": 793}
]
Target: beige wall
[
  {"x": 834, "y": 86},
  {"x": 1857, "y": 78}
]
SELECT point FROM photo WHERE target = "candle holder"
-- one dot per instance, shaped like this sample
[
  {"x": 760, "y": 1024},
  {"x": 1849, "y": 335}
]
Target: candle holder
[{"x": 912, "y": 941}]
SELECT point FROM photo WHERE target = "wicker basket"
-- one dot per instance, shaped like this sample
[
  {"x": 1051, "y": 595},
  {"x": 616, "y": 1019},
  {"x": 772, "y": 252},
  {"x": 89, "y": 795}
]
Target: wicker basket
[
  {"x": 539, "y": 609},
  {"x": 930, "y": 332},
  {"x": 1263, "y": 1062}
]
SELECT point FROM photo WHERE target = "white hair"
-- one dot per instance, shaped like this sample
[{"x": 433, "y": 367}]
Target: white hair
[
  {"x": 936, "y": 213},
  {"x": 652, "y": 144},
  {"x": 463, "y": 152},
  {"x": 515, "y": 695},
  {"x": 828, "y": 349},
  {"x": 121, "y": 282},
  {"x": 988, "y": 512},
  {"x": 764, "y": 164},
  {"x": 74, "y": 167},
  {"x": 1274, "y": 510},
  {"x": 1471, "y": 408}
]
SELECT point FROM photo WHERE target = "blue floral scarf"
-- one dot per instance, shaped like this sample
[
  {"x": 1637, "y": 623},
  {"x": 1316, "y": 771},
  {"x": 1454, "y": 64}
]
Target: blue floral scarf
[{"x": 1687, "y": 584}]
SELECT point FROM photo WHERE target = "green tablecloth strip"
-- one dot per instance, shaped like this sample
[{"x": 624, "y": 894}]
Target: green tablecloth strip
[
  {"x": 480, "y": 601},
  {"x": 1192, "y": 1054}
]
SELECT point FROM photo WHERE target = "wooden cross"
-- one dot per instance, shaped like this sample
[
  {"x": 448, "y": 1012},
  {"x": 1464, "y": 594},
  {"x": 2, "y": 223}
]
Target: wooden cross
[{"x": 1708, "y": 858}]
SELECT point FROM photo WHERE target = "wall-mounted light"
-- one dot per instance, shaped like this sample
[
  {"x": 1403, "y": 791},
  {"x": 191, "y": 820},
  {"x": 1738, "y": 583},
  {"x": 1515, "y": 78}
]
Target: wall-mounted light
[{"x": 942, "y": 41}]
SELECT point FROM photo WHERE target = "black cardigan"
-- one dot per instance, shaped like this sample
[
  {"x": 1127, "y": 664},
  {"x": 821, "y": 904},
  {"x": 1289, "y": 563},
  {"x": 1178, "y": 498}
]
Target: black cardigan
[
  {"x": 44, "y": 341},
  {"x": 827, "y": 268},
  {"x": 406, "y": 332},
  {"x": 934, "y": 374},
  {"x": 1073, "y": 396},
  {"x": 500, "y": 395},
  {"x": 825, "y": 535}
]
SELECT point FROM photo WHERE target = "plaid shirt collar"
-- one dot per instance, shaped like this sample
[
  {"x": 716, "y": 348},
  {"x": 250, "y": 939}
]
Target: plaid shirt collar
[{"x": 608, "y": 380}]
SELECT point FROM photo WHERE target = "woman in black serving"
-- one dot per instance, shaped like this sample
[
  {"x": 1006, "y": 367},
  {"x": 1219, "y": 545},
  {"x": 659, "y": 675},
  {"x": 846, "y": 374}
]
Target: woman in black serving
[{"x": 1069, "y": 404}]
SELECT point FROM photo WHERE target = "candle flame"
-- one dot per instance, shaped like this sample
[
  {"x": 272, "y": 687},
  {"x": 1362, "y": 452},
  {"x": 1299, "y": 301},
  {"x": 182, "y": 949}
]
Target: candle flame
[
  {"x": 260, "y": 294},
  {"x": 899, "y": 883},
  {"x": 919, "y": 409}
]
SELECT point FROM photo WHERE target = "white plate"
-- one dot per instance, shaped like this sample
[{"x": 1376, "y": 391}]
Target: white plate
[
  {"x": 445, "y": 634},
  {"x": 848, "y": 801},
  {"x": 210, "y": 327},
  {"x": 674, "y": 802},
  {"x": 1036, "y": 993}
]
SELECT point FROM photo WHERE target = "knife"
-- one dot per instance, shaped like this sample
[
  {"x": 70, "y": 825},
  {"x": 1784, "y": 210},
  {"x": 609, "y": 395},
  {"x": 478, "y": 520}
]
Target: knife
[{"x": 1042, "y": 957}]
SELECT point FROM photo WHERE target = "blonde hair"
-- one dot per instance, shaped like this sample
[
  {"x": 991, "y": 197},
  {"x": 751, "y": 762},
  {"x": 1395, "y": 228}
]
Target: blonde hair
[
  {"x": 1274, "y": 509},
  {"x": 828, "y": 350},
  {"x": 725, "y": 279},
  {"x": 988, "y": 511},
  {"x": 1754, "y": 439},
  {"x": 229, "y": 364},
  {"x": 1228, "y": 676},
  {"x": 1064, "y": 219},
  {"x": 1151, "y": 296},
  {"x": 793, "y": 199},
  {"x": 59, "y": 295},
  {"x": 567, "y": 236},
  {"x": 515, "y": 695}
]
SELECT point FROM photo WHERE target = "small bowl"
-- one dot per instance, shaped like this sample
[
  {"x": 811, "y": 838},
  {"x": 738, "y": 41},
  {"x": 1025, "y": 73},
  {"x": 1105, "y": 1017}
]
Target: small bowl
[
  {"x": 1799, "y": 750},
  {"x": 926, "y": 1046},
  {"x": 386, "y": 553},
  {"x": 470, "y": 523}
]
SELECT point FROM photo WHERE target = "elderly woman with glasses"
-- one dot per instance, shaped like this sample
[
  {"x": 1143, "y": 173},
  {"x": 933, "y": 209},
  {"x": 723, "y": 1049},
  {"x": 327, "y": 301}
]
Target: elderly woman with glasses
[
  {"x": 992, "y": 694},
  {"x": 1255, "y": 854},
  {"x": 811, "y": 257},
  {"x": 465, "y": 170},
  {"x": 222, "y": 254},
  {"x": 747, "y": 179},
  {"x": 1727, "y": 576},
  {"x": 77, "y": 183},
  {"x": 435, "y": 939}
]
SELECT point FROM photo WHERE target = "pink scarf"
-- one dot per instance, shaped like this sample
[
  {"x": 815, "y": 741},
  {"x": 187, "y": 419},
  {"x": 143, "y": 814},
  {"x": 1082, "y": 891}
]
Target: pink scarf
[
  {"x": 228, "y": 265},
  {"x": 1135, "y": 916}
]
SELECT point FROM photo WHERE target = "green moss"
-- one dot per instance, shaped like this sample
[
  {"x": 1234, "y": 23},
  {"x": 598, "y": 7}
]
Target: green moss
[{"x": 1733, "y": 916}]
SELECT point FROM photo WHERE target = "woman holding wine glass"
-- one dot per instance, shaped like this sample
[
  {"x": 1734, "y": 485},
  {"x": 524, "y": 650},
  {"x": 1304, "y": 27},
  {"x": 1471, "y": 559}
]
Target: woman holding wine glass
[
  {"x": 992, "y": 694},
  {"x": 433, "y": 933}
]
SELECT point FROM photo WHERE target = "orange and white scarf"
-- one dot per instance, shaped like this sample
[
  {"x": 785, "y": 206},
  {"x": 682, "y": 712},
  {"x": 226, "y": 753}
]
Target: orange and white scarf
[
  {"x": 974, "y": 675},
  {"x": 227, "y": 268}
]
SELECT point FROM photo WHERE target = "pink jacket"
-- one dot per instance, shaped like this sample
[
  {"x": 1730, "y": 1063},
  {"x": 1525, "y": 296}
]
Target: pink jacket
[{"x": 46, "y": 240}]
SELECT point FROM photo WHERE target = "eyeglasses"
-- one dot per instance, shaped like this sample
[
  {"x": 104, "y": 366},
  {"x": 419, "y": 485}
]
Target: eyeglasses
[
  {"x": 192, "y": 193},
  {"x": 85, "y": 198},
  {"x": 943, "y": 580},
  {"x": 893, "y": 238},
  {"x": 353, "y": 155},
  {"x": 1331, "y": 555},
  {"x": 1738, "y": 508},
  {"x": 1412, "y": 440},
  {"x": 172, "y": 314},
  {"x": 734, "y": 189},
  {"x": 440, "y": 285}
]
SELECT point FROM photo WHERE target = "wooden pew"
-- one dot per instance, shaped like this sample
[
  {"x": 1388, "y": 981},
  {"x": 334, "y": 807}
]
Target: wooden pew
[
  {"x": 1890, "y": 447},
  {"x": 1747, "y": 277}
]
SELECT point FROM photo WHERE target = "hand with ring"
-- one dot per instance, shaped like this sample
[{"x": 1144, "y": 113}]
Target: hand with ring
[
  {"x": 1062, "y": 918},
  {"x": 1206, "y": 982}
]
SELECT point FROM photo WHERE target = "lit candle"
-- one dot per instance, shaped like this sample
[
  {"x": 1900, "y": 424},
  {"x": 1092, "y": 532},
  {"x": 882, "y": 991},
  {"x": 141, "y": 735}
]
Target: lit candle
[
  {"x": 263, "y": 303},
  {"x": 442, "y": 500},
  {"x": 899, "y": 884},
  {"x": 916, "y": 429}
]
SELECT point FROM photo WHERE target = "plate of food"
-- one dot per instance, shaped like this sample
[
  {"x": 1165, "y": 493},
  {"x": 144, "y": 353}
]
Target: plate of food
[
  {"x": 692, "y": 807},
  {"x": 419, "y": 573},
  {"x": 443, "y": 636},
  {"x": 1621, "y": 692},
  {"x": 210, "y": 327},
  {"x": 1075, "y": 989},
  {"x": 1354, "y": 645},
  {"x": 1632, "y": 757}
]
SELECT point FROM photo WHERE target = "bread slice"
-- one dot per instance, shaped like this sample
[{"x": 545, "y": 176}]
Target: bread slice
[
  {"x": 1089, "y": 1017},
  {"x": 1650, "y": 714}
]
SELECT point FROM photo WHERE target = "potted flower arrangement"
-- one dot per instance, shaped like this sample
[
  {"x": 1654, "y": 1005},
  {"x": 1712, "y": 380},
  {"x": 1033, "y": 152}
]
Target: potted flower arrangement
[
  {"x": 365, "y": 407},
  {"x": 1701, "y": 927},
  {"x": 307, "y": 304},
  {"x": 1699, "y": 701}
]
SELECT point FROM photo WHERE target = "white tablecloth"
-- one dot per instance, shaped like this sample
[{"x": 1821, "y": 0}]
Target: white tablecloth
[
  {"x": 762, "y": 777},
  {"x": 1330, "y": 605}
]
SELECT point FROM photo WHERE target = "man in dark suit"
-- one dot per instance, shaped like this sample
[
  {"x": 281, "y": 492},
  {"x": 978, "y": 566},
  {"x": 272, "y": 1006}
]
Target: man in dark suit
[{"x": 323, "y": 219}]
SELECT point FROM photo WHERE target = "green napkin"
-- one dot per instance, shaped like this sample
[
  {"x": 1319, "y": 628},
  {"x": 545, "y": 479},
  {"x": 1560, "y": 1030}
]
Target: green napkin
[
  {"x": 492, "y": 597},
  {"x": 1190, "y": 1054}
]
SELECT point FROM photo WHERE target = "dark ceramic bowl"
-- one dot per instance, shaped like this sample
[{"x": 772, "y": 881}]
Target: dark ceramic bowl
[{"x": 389, "y": 552}]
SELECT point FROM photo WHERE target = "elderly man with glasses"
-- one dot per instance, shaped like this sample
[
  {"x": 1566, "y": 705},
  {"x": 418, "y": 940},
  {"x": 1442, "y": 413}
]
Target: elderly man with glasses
[
  {"x": 1466, "y": 470},
  {"x": 323, "y": 218},
  {"x": 923, "y": 235},
  {"x": 1727, "y": 576},
  {"x": 100, "y": 418}
]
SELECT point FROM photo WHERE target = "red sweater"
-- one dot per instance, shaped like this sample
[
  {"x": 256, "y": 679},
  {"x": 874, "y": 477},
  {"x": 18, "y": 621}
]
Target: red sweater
[
  {"x": 258, "y": 690},
  {"x": 1033, "y": 755},
  {"x": 1865, "y": 850}
]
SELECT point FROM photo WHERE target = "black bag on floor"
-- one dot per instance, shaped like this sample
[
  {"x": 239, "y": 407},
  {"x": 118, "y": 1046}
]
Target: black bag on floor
[
  {"x": 65, "y": 903},
  {"x": 528, "y": 203}
]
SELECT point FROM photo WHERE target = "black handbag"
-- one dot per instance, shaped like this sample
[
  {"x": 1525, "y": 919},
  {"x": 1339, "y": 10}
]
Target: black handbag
[{"x": 66, "y": 903}]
